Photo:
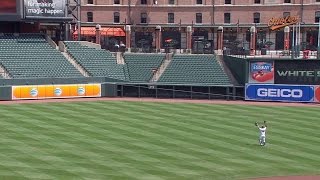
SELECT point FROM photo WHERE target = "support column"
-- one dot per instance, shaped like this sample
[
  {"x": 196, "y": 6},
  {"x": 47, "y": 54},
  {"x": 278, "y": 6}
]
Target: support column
[
  {"x": 253, "y": 33},
  {"x": 318, "y": 49},
  {"x": 272, "y": 38},
  {"x": 286, "y": 38},
  {"x": 220, "y": 40},
  {"x": 128, "y": 38},
  {"x": 189, "y": 39},
  {"x": 158, "y": 39},
  {"x": 98, "y": 34},
  {"x": 66, "y": 31}
]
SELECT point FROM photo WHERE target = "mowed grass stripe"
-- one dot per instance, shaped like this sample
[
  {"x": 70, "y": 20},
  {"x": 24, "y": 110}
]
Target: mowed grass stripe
[
  {"x": 77, "y": 150},
  {"x": 115, "y": 148},
  {"x": 78, "y": 134},
  {"x": 143, "y": 136},
  {"x": 224, "y": 119},
  {"x": 293, "y": 129},
  {"x": 34, "y": 157},
  {"x": 134, "y": 129}
]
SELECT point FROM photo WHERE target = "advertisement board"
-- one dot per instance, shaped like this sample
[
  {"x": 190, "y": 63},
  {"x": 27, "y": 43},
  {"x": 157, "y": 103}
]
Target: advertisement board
[
  {"x": 8, "y": 6},
  {"x": 44, "y": 8},
  {"x": 297, "y": 72},
  {"x": 317, "y": 94},
  {"x": 261, "y": 72},
  {"x": 285, "y": 93},
  {"x": 56, "y": 91}
]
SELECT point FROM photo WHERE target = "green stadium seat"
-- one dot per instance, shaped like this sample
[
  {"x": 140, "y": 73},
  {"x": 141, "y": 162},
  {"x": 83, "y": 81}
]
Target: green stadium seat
[
  {"x": 98, "y": 62},
  {"x": 194, "y": 69},
  {"x": 140, "y": 66},
  {"x": 31, "y": 56}
]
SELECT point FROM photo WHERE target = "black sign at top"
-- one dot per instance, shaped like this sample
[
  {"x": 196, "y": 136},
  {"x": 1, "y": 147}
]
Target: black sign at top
[
  {"x": 44, "y": 8},
  {"x": 304, "y": 72}
]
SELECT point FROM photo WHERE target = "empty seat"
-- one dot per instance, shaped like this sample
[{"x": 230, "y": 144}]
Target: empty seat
[
  {"x": 194, "y": 69},
  {"x": 31, "y": 56},
  {"x": 98, "y": 62},
  {"x": 140, "y": 66}
]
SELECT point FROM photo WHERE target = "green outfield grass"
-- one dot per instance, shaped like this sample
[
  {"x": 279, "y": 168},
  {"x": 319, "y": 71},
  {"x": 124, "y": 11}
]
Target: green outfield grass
[{"x": 135, "y": 140}]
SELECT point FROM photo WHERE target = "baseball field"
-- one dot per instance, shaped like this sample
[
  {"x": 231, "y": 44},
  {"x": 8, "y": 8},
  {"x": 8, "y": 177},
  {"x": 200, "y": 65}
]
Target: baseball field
[{"x": 147, "y": 140}]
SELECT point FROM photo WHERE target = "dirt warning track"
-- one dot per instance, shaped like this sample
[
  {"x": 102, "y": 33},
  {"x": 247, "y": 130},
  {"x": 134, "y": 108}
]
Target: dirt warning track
[{"x": 164, "y": 101}]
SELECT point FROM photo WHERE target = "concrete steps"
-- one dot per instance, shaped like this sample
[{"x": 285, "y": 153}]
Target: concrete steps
[
  {"x": 75, "y": 64},
  {"x": 162, "y": 68}
]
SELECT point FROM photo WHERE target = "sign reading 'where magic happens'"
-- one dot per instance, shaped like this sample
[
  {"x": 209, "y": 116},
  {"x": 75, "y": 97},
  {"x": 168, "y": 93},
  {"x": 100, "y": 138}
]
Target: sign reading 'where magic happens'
[{"x": 277, "y": 23}]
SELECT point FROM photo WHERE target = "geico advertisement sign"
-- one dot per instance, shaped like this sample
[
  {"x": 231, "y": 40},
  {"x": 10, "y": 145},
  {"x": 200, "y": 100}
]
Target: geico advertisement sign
[{"x": 266, "y": 92}]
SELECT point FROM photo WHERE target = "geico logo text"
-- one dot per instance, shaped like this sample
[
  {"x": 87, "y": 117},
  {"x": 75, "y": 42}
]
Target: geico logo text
[{"x": 295, "y": 93}]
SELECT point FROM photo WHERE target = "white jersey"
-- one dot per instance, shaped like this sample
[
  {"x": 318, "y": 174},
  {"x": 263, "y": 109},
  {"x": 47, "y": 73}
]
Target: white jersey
[{"x": 263, "y": 131}]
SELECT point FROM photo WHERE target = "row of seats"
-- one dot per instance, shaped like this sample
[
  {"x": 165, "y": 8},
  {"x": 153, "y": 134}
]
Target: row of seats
[
  {"x": 98, "y": 62},
  {"x": 31, "y": 56},
  {"x": 198, "y": 69},
  {"x": 140, "y": 66}
]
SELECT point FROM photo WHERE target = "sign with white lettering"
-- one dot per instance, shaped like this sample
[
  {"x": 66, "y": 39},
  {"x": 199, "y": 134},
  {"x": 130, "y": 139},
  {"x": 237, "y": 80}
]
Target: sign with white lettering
[
  {"x": 44, "y": 8},
  {"x": 273, "y": 92},
  {"x": 297, "y": 72}
]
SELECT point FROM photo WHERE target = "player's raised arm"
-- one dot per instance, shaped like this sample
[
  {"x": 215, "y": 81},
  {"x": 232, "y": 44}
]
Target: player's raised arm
[
  {"x": 256, "y": 124},
  {"x": 265, "y": 123}
]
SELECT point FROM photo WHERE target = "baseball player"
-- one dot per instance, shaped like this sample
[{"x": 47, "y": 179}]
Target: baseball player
[{"x": 263, "y": 129}]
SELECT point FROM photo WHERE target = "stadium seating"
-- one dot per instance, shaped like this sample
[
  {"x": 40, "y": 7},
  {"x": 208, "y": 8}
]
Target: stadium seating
[
  {"x": 98, "y": 62},
  {"x": 140, "y": 65},
  {"x": 31, "y": 56},
  {"x": 194, "y": 69}
]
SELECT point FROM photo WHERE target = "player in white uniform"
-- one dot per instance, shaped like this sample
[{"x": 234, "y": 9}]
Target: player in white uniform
[{"x": 263, "y": 129}]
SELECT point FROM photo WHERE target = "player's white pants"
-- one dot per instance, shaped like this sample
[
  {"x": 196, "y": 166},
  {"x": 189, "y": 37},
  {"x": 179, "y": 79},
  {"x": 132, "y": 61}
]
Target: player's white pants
[{"x": 262, "y": 139}]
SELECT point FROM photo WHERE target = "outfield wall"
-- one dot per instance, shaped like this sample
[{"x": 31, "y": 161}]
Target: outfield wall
[
  {"x": 238, "y": 67},
  {"x": 283, "y": 80},
  {"x": 274, "y": 71},
  {"x": 181, "y": 91},
  {"x": 45, "y": 88},
  {"x": 24, "y": 92},
  {"x": 44, "y": 81},
  {"x": 55, "y": 91},
  {"x": 121, "y": 89}
]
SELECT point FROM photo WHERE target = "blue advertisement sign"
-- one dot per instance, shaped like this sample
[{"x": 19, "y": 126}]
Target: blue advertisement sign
[{"x": 286, "y": 93}]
